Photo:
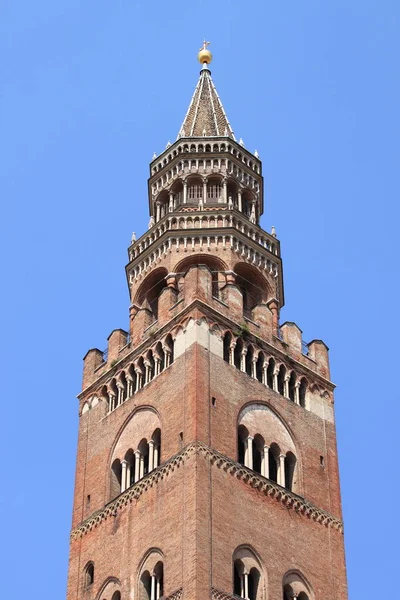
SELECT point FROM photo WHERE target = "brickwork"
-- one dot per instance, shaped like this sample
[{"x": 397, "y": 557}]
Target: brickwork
[{"x": 204, "y": 360}]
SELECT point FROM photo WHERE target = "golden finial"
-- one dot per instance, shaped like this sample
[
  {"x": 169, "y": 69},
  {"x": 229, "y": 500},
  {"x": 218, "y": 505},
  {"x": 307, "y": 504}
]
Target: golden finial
[{"x": 204, "y": 54}]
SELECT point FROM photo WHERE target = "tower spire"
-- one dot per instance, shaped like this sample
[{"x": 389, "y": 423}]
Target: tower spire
[{"x": 205, "y": 116}]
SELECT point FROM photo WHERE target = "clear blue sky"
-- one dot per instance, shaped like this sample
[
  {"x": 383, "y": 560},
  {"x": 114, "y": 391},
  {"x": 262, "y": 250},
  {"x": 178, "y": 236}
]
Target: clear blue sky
[{"x": 88, "y": 91}]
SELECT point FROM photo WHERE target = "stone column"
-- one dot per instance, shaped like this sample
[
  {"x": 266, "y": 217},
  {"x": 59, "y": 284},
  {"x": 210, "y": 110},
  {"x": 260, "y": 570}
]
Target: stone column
[
  {"x": 153, "y": 587},
  {"x": 171, "y": 202},
  {"x": 254, "y": 368},
  {"x": 151, "y": 455},
  {"x": 275, "y": 380},
  {"x": 137, "y": 465},
  {"x": 266, "y": 461},
  {"x": 224, "y": 191},
  {"x": 248, "y": 457},
  {"x": 156, "y": 456},
  {"x": 184, "y": 192},
  {"x": 232, "y": 353},
  {"x": 286, "y": 386},
  {"x": 281, "y": 478},
  {"x": 204, "y": 191},
  {"x": 158, "y": 208},
  {"x": 158, "y": 589},
  {"x": 128, "y": 475},
  {"x": 264, "y": 374},
  {"x": 297, "y": 392},
  {"x": 141, "y": 472},
  {"x": 147, "y": 371},
  {"x": 124, "y": 465},
  {"x": 240, "y": 200},
  {"x": 243, "y": 360},
  {"x": 246, "y": 585}
]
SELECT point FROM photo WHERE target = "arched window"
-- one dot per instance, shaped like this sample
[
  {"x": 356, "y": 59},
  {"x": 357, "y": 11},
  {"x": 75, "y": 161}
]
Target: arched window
[
  {"x": 249, "y": 360},
  {"x": 151, "y": 582},
  {"x": 253, "y": 285},
  {"x": 155, "y": 453},
  {"x": 143, "y": 450},
  {"x": 238, "y": 353},
  {"x": 227, "y": 346},
  {"x": 243, "y": 434},
  {"x": 273, "y": 462},
  {"x": 150, "y": 290},
  {"x": 302, "y": 392},
  {"x": 260, "y": 367},
  {"x": 270, "y": 373},
  {"x": 290, "y": 464},
  {"x": 246, "y": 575},
  {"x": 258, "y": 453},
  {"x": 292, "y": 386},
  {"x": 130, "y": 468},
  {"x": 116, "y": 596},
  {"x": 169, "y": 350},
  {"x": 89, "y": 575},
  {"x": 296, "y": 586},
  {"x": 281, "y": 379},
  {"x": 116, "y": 472}
]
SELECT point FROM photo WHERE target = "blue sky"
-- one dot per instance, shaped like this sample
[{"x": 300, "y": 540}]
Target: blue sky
[{"x": 89, "y": 90}]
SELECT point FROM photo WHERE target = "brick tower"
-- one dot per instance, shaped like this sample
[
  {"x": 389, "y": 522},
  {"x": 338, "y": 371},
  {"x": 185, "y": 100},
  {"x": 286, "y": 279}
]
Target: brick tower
[{"x": 207, "y": 464}]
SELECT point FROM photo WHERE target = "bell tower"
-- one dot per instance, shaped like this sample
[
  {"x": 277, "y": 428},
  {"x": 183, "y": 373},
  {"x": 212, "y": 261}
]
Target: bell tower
[{"x": 207, "y": 463}]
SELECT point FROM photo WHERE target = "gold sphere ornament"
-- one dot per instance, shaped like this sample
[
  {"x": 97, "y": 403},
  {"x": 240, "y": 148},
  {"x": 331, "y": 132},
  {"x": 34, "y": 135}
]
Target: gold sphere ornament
[{"x": 204, "y": 54}]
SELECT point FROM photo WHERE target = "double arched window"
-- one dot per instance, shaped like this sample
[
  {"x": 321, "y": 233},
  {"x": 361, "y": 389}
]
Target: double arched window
[
  {"x": 296, "y": 587},
  {"x": 151, "y": 577},
  {"x": 247, "y": 575}
]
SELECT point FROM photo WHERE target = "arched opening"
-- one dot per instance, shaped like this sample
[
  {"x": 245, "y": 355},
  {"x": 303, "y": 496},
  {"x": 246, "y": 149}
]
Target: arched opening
[
  {"x": 243, "y": 434},
  {"x": 156, "y": 439},
  {"x": 258, "y": 453},
  {"x": 159, "y": 358},
  {"x": 270, "y": 373},
  {"x": 247, "y": 202},
  {"x": 194, "y": 190},
  {"x": 249, "y": 360},
  {"x": 254, "y": 579},
  {"x": 130, "y": 469},
  {"x": 238, "y": 352},
  {"x": 227, "y": 346},
  {"x": 131, "y": 380},
  {"x": 145, "y": 586},
  {"x": 273, "y": 462},
  {"x": 89, "y": 575},
  {"x": 123, "y": 389},
  {"x": 151, "y": 289},
  {"x": 216, "y": 266},
  {"x": 253, "y": 286},
  {"x": 260, "y": 367},
  {"x": 116, "y": 596},
  {"x": 214, "y": 190},
  {"x": 290, "y": 464},
  {"x": 116, "y": 471},
  {"x": 177, "y": 193},
  {"x": 169, "y": 350},
  {"x": 281, "y": 379},
  {"x": 144, "y": 458},
  {"x": 246, "y": 575},
  {"x": 232, "y": 192},
  {"x": 292, "y": 386},
  {"x": 303, "y": 392}
]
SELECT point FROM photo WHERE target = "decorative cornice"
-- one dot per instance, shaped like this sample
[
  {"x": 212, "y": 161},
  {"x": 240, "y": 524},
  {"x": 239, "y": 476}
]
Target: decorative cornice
[{"x": 266, "y": 486}]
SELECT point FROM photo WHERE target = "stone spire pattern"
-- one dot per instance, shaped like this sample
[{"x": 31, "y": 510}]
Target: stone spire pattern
[{"x": 205, "y": 116}]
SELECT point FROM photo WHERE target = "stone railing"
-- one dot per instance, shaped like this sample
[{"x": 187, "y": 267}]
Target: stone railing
[
  {"x": 219, "y": 460},
  {"x": 177, "y": 595},
  {"x": 181, "y": 242},
  {"x": 202, "y": 220}
]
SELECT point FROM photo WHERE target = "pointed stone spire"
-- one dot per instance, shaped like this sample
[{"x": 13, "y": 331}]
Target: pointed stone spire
[{"x": 205, "y": 112}]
